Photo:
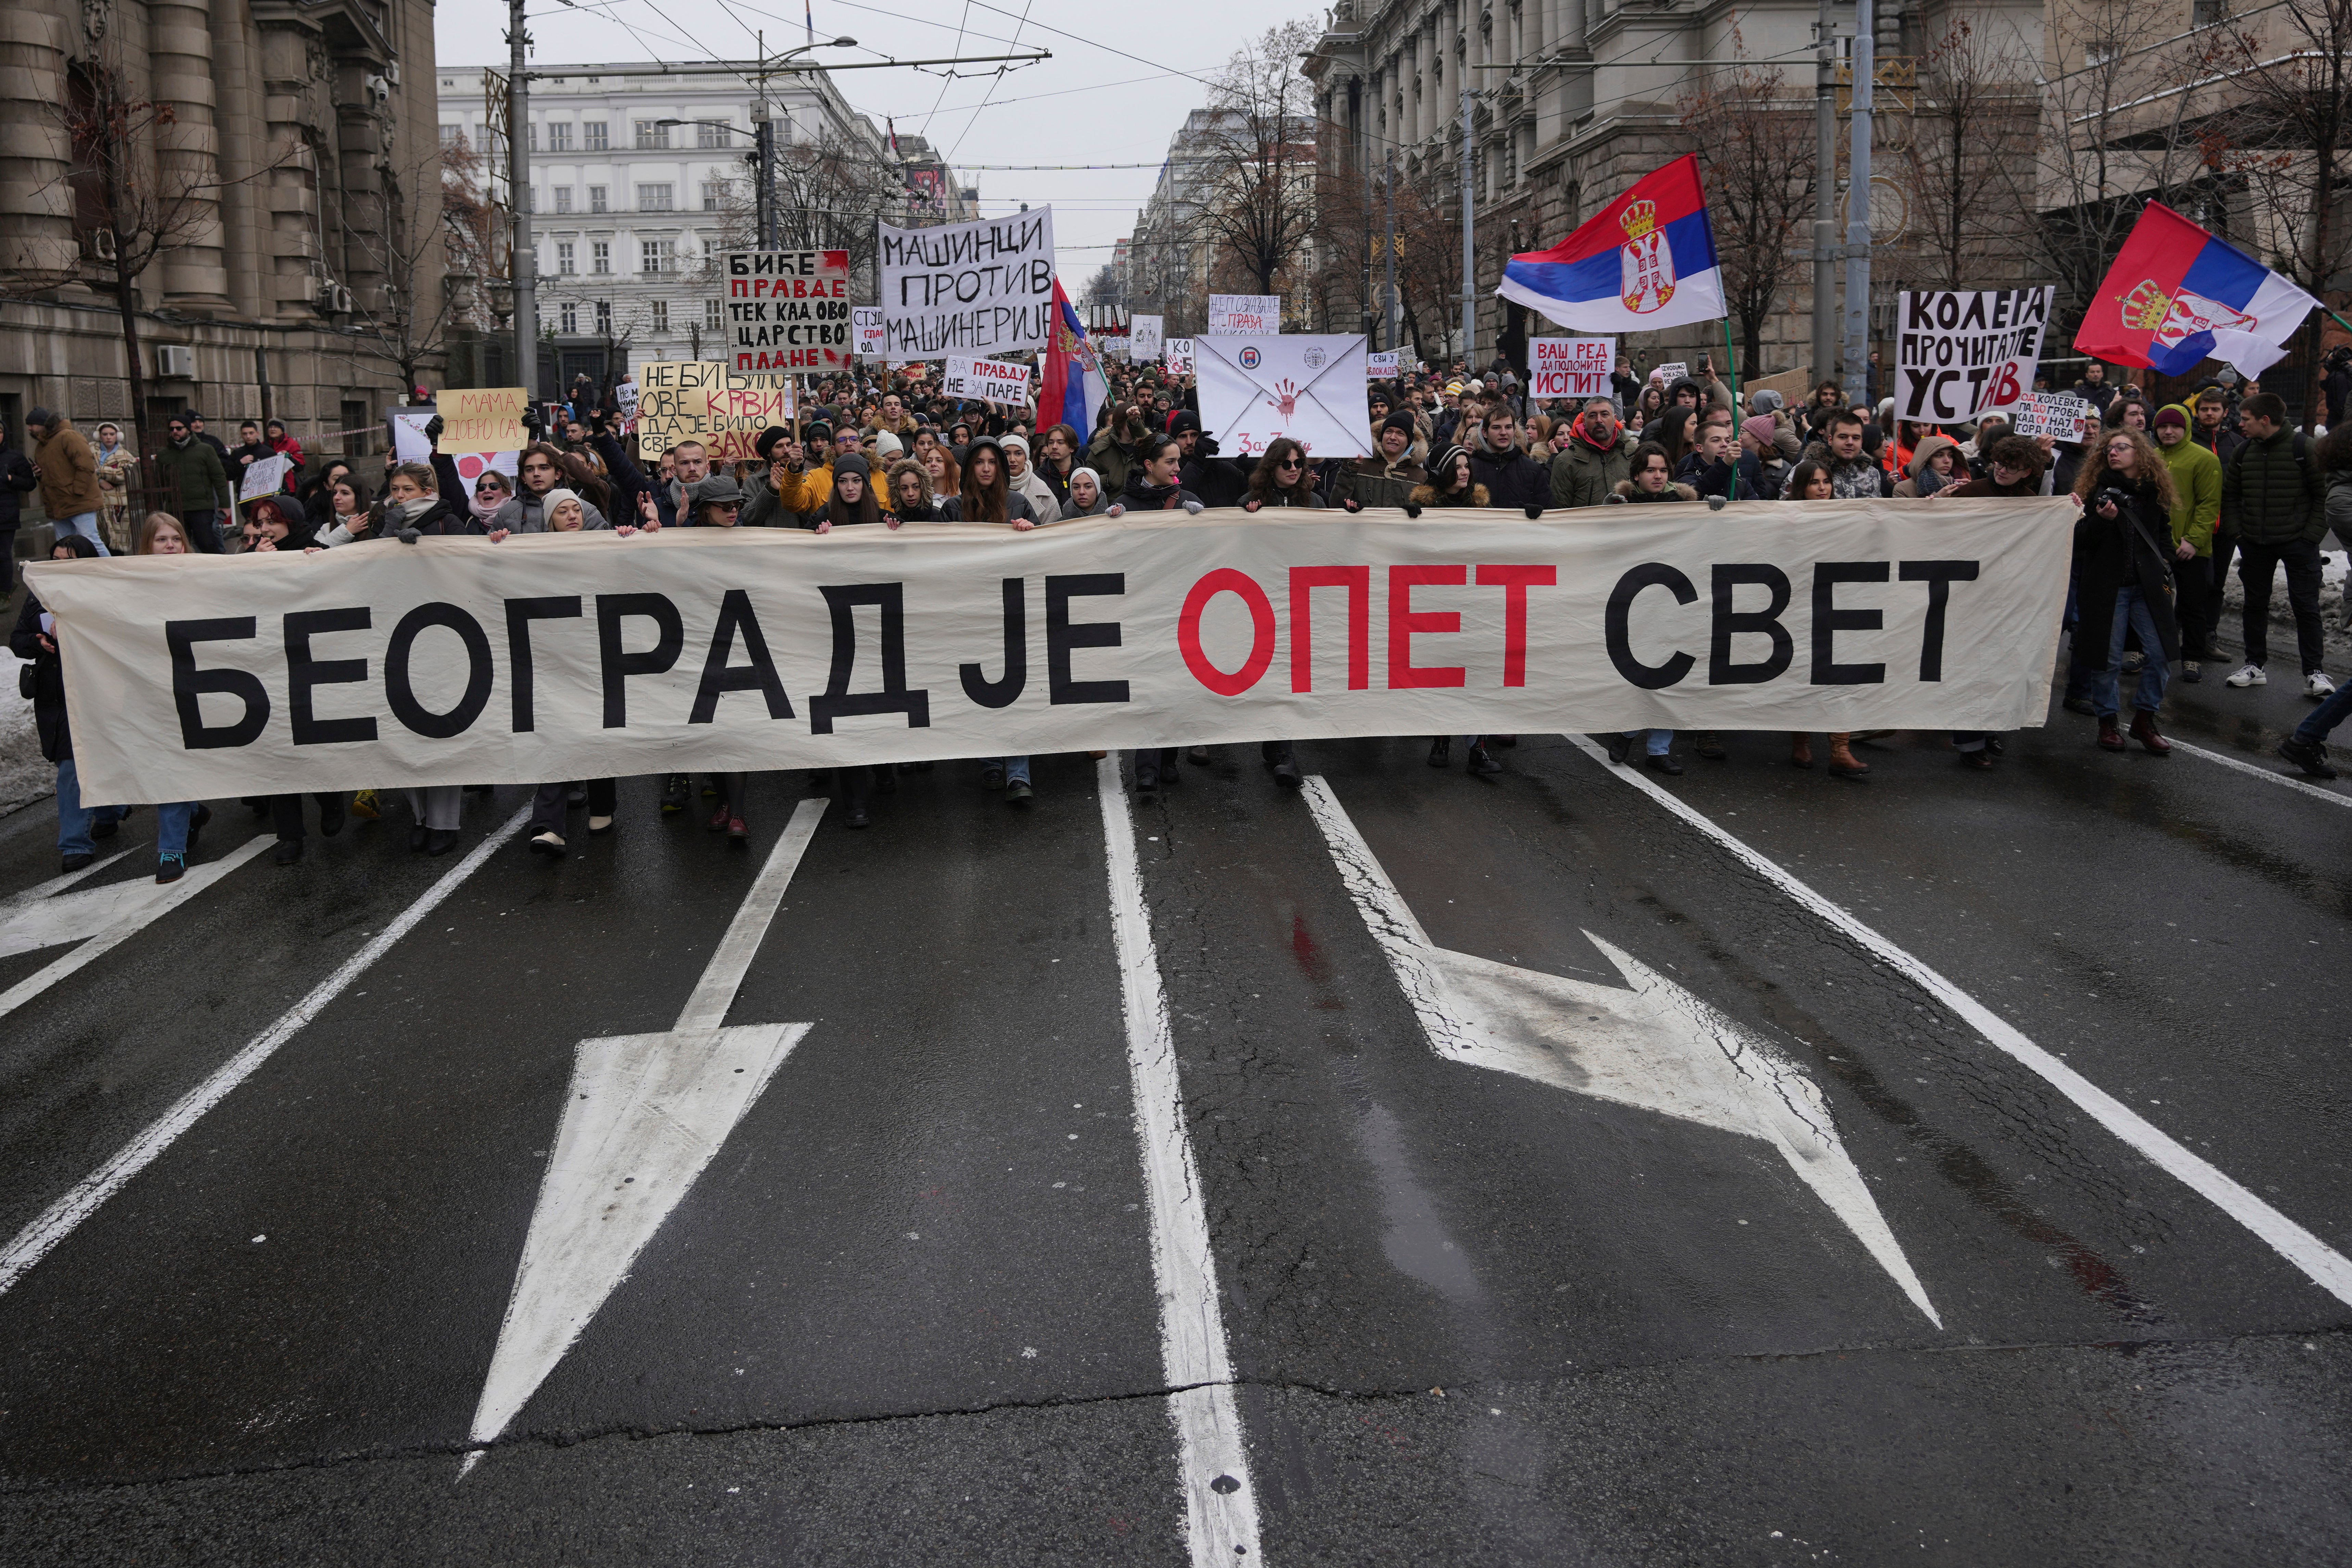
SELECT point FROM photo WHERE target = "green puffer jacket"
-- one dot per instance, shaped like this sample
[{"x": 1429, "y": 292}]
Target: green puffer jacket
[
  {"x": 2273, "y": 493},
  {"x": 191, "y": 472},
  {"x": 2197, "y": 483}
]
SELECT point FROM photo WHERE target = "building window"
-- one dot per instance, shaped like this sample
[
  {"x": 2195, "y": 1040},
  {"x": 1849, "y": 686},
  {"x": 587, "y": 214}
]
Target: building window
[
  {"x": 596, "y": 198},
  {"x": 713, "y": 192},
  {"x": 711, "y": 311},
  {"x": 559, "y": 136},
  {"x": 591, "y": 135},
  {"x": 530, "y": 137},
  {"x": 563, "y": 198},
  {"x": 570, "y": 316},
  {"x": 452, "y": 134},
  {"x": 657, "y": 198},
  {"x": 604, "y": 317},
  {"x": 600, "y": 257},
  {"x": 658, "y": 257},
  {"x": 650, "y": 134},
  {"x": 660, "y": 315},
  {"x": 2207, "y": 13},
  {"x": 564, "y": 260},
  {"x": 705, "y": 134}
]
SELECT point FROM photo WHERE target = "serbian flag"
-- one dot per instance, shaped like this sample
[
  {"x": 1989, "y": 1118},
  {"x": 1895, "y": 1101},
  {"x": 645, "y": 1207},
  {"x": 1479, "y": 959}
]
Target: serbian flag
[
  {"x": 2177, "y": 295},
  {"x": 1644, "y": 261},
  {"x": 1070, "y": 385}
]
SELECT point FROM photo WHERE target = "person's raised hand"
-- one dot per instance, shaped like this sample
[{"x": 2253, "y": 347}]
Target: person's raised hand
[{"x": 433, "y": 429}]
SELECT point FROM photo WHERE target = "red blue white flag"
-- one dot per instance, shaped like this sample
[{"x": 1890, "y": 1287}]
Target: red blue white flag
[
  {"x": 1644, "y": 261},
  {"x": 1070, "y": 383},
  {"x": 2177, "y": 295}
]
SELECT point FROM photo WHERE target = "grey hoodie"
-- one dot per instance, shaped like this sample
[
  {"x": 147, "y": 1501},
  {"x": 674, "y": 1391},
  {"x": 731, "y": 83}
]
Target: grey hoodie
[{"x": 520, "y": 514}]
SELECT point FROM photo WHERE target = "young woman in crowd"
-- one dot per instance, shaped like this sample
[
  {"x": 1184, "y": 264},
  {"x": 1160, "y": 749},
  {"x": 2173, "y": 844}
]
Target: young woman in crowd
[
  {"x": 985, "y": 494},
  {"x": 117, "y": 469},
  {"x": 178, "y": 823},
  {"x": 945, "y": 474},
  {"x": 1021, "y": 479},
  {"x": 910, "y": 493},
  {"x": 1088, "y": 496},
  {"x": 1155, "y": 484},
  {"x": 2123, "y": 554},
  {"x": 1449, "y": 482},
  {"x": 346, "y": 517},
  {"x": 1283, "y": 479}
]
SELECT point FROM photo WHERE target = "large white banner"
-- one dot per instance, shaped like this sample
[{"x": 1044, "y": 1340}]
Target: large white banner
[
  {"x": 581, "y": 655},
  {"x": 981, "y": 287},
  {"x": 1144, "y": 336},
  {"x": 1962, "y": 354},
  {"x": 1308, "y": 387}
]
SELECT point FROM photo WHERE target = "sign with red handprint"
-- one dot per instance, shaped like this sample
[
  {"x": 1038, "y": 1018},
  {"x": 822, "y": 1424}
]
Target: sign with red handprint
[{"x": 1257, "y": 389}]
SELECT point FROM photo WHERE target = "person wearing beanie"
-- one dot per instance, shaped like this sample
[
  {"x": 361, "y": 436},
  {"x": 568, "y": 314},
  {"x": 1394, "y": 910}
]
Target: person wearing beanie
[
  {"x": 887, "y": 449},
  {"x": 852, "y": 500},
  {"x": 68, "y": 471},
  {"x": 1388, "y": 476},
  {"x": 2196, "y": 508},
  {"x": 1020, "y": 477}
]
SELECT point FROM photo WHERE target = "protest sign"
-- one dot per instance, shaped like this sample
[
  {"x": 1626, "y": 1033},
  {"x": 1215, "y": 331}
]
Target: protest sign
[
  {"x": 407, "y": 426},
  {"x": 263, "y": 477},
  {"x": 625, "y": 394},
  {"x": 701, "y": 400},
  {"x": 1959, "y": 355},
  {"x": 1144, "y": 335},
  {"x": 2062, "y": 416},
  {"x": 1379, "y": 367},
  {"x": 1671, "y": 372},
  {"x": 587, "y": 656},
  {"x": 788, "y": 310},
  {"x": 1244, "y": 315},
  {"x": 1306, "y": 386},
  {"x": 981, "y": 287},
  {"x": 991, "y": 380},
  {"x": 1177, "y": 358},
  {"x": 1569, "y": 367},
  {"x": 867, "y": 321},
  {"x": 482, "y": 419}
]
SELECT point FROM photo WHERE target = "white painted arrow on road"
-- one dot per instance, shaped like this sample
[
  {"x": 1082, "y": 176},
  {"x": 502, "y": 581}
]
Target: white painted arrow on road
[
  {"x": 644, "y": 1114},
  {"x": 97, "y": 919},
  {"x": 1655, "y": 1046}
]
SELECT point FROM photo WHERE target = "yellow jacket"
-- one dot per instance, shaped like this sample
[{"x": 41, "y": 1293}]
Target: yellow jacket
[{"x": 802, "y": 492}]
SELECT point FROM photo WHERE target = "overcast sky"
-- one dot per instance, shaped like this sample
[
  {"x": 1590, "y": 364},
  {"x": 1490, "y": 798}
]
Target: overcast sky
[{"x": 1119, "y": 84}]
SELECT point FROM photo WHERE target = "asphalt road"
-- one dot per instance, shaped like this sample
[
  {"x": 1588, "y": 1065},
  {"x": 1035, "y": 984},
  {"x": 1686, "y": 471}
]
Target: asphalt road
[{"x": 1987, "y": 1203}]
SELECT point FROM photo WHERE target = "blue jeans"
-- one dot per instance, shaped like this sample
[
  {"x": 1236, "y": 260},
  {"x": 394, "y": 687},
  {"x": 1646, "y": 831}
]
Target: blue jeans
[
  {"x": 1016, "y": 768},
  {"x": 1661, "y": 740},
  {"x": 2327, "y": 716},
  {"x": 75, "y": 821},
  {"x": 172, "y": 822},
  {"x": 82, "y": 523},
  {"x": 2132, "y": 614}
]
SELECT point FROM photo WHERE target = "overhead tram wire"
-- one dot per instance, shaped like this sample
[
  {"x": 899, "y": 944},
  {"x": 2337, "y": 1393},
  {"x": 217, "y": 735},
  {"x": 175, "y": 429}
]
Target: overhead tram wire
[{"x": 981, "y": 106}]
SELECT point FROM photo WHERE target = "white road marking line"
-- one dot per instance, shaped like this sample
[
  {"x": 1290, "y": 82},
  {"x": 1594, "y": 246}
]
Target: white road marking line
[
  {"x": 2327, "y": 1268},
  {"x": 643, "y": 1115},
  {"x": 1220, "y": 1505},
  {"x": 2245, "y": 767},
  {"x": 1653, "y": 1045},
  {"x": 60, "y": 1219},
  {"x": 100, "y": 919}
]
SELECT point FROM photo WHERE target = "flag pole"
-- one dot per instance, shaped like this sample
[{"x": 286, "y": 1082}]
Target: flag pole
[{"x": 1731, "y": 367}]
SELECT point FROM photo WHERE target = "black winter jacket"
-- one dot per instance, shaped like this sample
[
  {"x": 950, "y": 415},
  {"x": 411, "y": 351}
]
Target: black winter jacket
[
  {"x": 2273, "y": 492},
  {"x": 2127, "y": 553},
  {"x": 49, "y": 681},
  {"x": 15, "y": 479},
  {"x": 1512, "y": 479}
]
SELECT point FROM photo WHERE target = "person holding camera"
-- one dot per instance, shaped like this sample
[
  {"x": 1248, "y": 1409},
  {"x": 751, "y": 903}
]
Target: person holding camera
[{"x": 2123, "y": 556}]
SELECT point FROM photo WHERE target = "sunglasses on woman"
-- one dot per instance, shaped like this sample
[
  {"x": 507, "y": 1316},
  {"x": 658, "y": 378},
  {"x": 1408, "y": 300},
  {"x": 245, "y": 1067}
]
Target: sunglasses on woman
[{"x": 1292, "y": 461}]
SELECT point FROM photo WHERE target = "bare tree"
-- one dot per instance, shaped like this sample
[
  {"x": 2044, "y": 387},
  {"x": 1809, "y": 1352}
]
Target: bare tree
[
  {"x": 145, "y": 205},
  {"x": 2282, "y": 136},
  {"x": 1971, "y": 158},
  {"x": 432, "y": 212},
  {"x": 1260, "y": 155},
  {"x": 827, "y": 196},
  {"x": 2113, "y": 137},
  {"x": 1758, "y": 163}
]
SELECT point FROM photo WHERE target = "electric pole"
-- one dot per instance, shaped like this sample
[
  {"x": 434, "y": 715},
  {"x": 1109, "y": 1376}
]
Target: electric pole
[
  {"x": 526, "y": 259},
  {"x": 1825, "y": 324},
  {"x": 1469, "y": 248},
  {"x": 1857, "y": 214}
]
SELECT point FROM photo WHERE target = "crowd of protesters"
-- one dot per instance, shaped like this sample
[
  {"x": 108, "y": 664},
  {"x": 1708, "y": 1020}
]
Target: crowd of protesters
[{"x": 2167, "y": 497}]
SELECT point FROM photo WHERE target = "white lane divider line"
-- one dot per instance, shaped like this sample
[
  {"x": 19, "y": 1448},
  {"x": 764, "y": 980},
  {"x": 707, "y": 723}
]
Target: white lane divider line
[
  {"x": 1653, "y": 1045},
  {"x": 99, "y": 919},
  {"x": 1220, "y": 1505},
  {"x": 643, "y": 1115},
  {"x": 2327, "y": 1268},
  {"x": 2241, "y": 766},
  {"x": 60, "y": 1219}
]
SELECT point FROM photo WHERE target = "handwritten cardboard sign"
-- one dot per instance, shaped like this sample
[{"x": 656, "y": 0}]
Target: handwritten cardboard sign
[{"x": 482, "y": 419}]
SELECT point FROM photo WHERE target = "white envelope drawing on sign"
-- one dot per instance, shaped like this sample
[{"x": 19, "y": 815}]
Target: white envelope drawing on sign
[{"x": 1306, "y": 386}]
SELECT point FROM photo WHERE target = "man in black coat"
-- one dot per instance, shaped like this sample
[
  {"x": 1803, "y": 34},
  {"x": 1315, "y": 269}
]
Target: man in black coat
[
  {"x": 1217, "y": 481},
  {"x": 1512, "y": 478}
]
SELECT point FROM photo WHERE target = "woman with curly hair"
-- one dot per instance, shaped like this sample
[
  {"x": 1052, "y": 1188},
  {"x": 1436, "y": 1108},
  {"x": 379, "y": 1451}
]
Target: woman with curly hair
[{"x": 2122, "y": 557}]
